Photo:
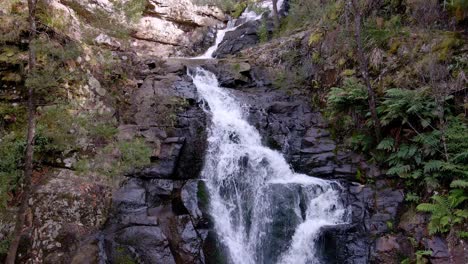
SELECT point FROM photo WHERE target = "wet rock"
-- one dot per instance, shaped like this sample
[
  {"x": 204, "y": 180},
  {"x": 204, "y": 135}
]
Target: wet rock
[
  {"x": 282, "y": 107},
  {"x": 149, "y": 243},
  {"x": 414, "y": 223},
  {"x": 132, "y": 196},
  {"x": 189, "y": 244},
  {"x": 160, "y": 187},
  {"x": 234, "y": 41},
  {"x": 189, "y": 195},
  {"x": 389, "y": 248},
  {"x": 439, "y": 248}
]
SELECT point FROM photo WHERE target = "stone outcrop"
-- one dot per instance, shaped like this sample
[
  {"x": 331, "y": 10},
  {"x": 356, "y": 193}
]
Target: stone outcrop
[
  {"x": 175, "y": 27},
  {"x": 66, "y": 214},
  {"x": 166, "y": 28},
  {"x": 159, "y": 214}
]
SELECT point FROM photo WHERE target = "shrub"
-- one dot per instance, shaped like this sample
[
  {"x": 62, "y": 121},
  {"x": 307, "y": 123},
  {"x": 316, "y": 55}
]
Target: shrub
[
  {"x": 263, "y": 31},
  {"x": 135, "y": 154},
  {"x": 12, "y": 148}
]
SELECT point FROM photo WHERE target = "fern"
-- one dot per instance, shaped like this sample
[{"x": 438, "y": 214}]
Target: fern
[
  {"x": 400, "y": 170},
  {"x": 386, "y": 144},
  {"x": 412, "y": 197},
  {"x": 444, "y": 211},
  {"x": 433, "y": 165},
  {"x": 459, "y": 184}
]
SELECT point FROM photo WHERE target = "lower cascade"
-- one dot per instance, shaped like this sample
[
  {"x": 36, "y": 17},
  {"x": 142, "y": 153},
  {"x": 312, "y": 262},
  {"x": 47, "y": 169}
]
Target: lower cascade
[{"x": 263, "y": 212}]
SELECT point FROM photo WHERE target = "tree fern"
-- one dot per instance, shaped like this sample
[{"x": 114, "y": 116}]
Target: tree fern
[
  {"x": 386, "y": 144},
  {"x": 459, "y": 184},
  {"x": 432, "y": 165}
]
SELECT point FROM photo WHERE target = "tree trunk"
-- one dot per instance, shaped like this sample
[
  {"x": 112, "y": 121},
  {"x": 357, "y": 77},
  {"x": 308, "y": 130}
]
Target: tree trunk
[
  {"x": 275, "y": 14},
  {"x": 364, "y": 68},
  {"x": 28, "y": 159}
]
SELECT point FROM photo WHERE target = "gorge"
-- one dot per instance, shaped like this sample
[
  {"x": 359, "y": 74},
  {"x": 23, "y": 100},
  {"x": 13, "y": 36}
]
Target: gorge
[{"x": 194, "y": 131}]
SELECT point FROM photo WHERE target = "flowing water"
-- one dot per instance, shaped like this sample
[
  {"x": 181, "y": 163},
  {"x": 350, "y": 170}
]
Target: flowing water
[
  {"x": 263, "y": 211},
  {"x": 247, "y": 15}
]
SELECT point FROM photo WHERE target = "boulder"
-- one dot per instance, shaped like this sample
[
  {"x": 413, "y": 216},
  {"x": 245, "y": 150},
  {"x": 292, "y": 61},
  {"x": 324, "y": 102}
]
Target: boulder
[{"x": 149, "y": 244}]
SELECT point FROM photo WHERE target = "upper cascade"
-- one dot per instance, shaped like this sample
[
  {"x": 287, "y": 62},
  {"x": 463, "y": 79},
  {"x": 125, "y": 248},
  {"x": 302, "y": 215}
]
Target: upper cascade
[{"x": 246, "y": 16}]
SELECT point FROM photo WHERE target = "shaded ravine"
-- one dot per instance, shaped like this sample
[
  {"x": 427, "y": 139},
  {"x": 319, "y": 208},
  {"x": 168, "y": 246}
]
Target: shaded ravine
[{"x": 263, "y": 211}]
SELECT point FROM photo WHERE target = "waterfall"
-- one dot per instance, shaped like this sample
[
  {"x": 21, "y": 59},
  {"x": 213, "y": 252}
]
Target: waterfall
[
  {"x": 247, "y": 15},
  {"x": 263, "y": 212}
]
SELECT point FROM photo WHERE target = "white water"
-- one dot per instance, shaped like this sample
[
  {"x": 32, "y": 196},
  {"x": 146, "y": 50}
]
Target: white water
[
  {"x": 263, "y": 211},
  {"x": 247, "y": 15}
]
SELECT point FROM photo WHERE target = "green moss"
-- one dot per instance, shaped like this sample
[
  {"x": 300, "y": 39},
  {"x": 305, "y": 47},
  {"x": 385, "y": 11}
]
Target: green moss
[
  {"x": 203, "y": 196},
  {"x": 315, "y": 37},
  {"x": 348, "y": 72},
  {"x": 123, "y": 256}
]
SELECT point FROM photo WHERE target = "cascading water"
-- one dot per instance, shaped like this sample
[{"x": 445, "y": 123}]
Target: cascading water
[
  {"x": 263, "y": 211},
  {"x": 247, "y": 15}
]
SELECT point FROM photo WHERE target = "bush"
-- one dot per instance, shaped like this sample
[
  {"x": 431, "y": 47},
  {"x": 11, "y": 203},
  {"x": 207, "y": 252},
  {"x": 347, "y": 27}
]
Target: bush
[
  {"x": 135, "y": 154},
  {"x": 263, "y": 31},
  {"x": 12, "y": 148}
]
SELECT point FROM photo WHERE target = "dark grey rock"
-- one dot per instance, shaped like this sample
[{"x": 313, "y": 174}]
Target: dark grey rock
[
  {"x": 189, "y": 195},
  {"x": 438, "y": 246},
  {"x": 234, "y": 41},
  {"x": 132, "y": 196},
  {"x": 148, "y": 242}
]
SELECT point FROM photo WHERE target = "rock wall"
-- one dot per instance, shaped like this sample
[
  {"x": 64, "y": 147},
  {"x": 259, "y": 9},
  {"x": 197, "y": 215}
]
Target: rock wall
[
  {"x": 166, "y": 28},
  {"x": 159, "y": 214}
]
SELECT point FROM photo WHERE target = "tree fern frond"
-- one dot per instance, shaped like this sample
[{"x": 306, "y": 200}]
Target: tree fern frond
[
  {"x": 399, "y": 169},
  {"x": 432, "y": 165},
  {"x": 386, "y": 144},
  {"x": 461, "y": 213},
  {"x": 459, "y": 184},
  {"x": 427, "y": 207}
]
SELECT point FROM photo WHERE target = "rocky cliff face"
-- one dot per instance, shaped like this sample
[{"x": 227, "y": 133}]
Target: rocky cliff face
[{"x": 165, "y": 28}]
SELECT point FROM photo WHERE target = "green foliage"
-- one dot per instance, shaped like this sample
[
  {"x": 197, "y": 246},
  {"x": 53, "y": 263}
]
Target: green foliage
[
  {"x": 58, "y": 20},
  {"x": 263, "y": 31},
  {"x": 133, "y": 9},
  {"x": 386, "y": 144},
  {"x": 123, "y": 256},
  {"x": 352, "y": 96},
  {"x": 458, "y": 8},
  {"x": 239, "y": 9},
  {"x": 445, "y": 211},
  {"x": 303, "y": 13},
  {"x": 13, "y": 25},
  {"x": 379, "y": 35},
  {"x": 361, "y": 142},
  {"x": 135, "y": 154},
  {"x": 403, "y": 106},
  {"x": 52, "y": 70},
  {"x": 225, "y": 5},
  {"x": 4, "y": 245},
  {"x": 12, "y": 147},
  {"x": 420, "y": 254},
  {"x": 412, "y": 197},
  {"x": 55, "y": 127},
  {"x": 12, "y": 117}
]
